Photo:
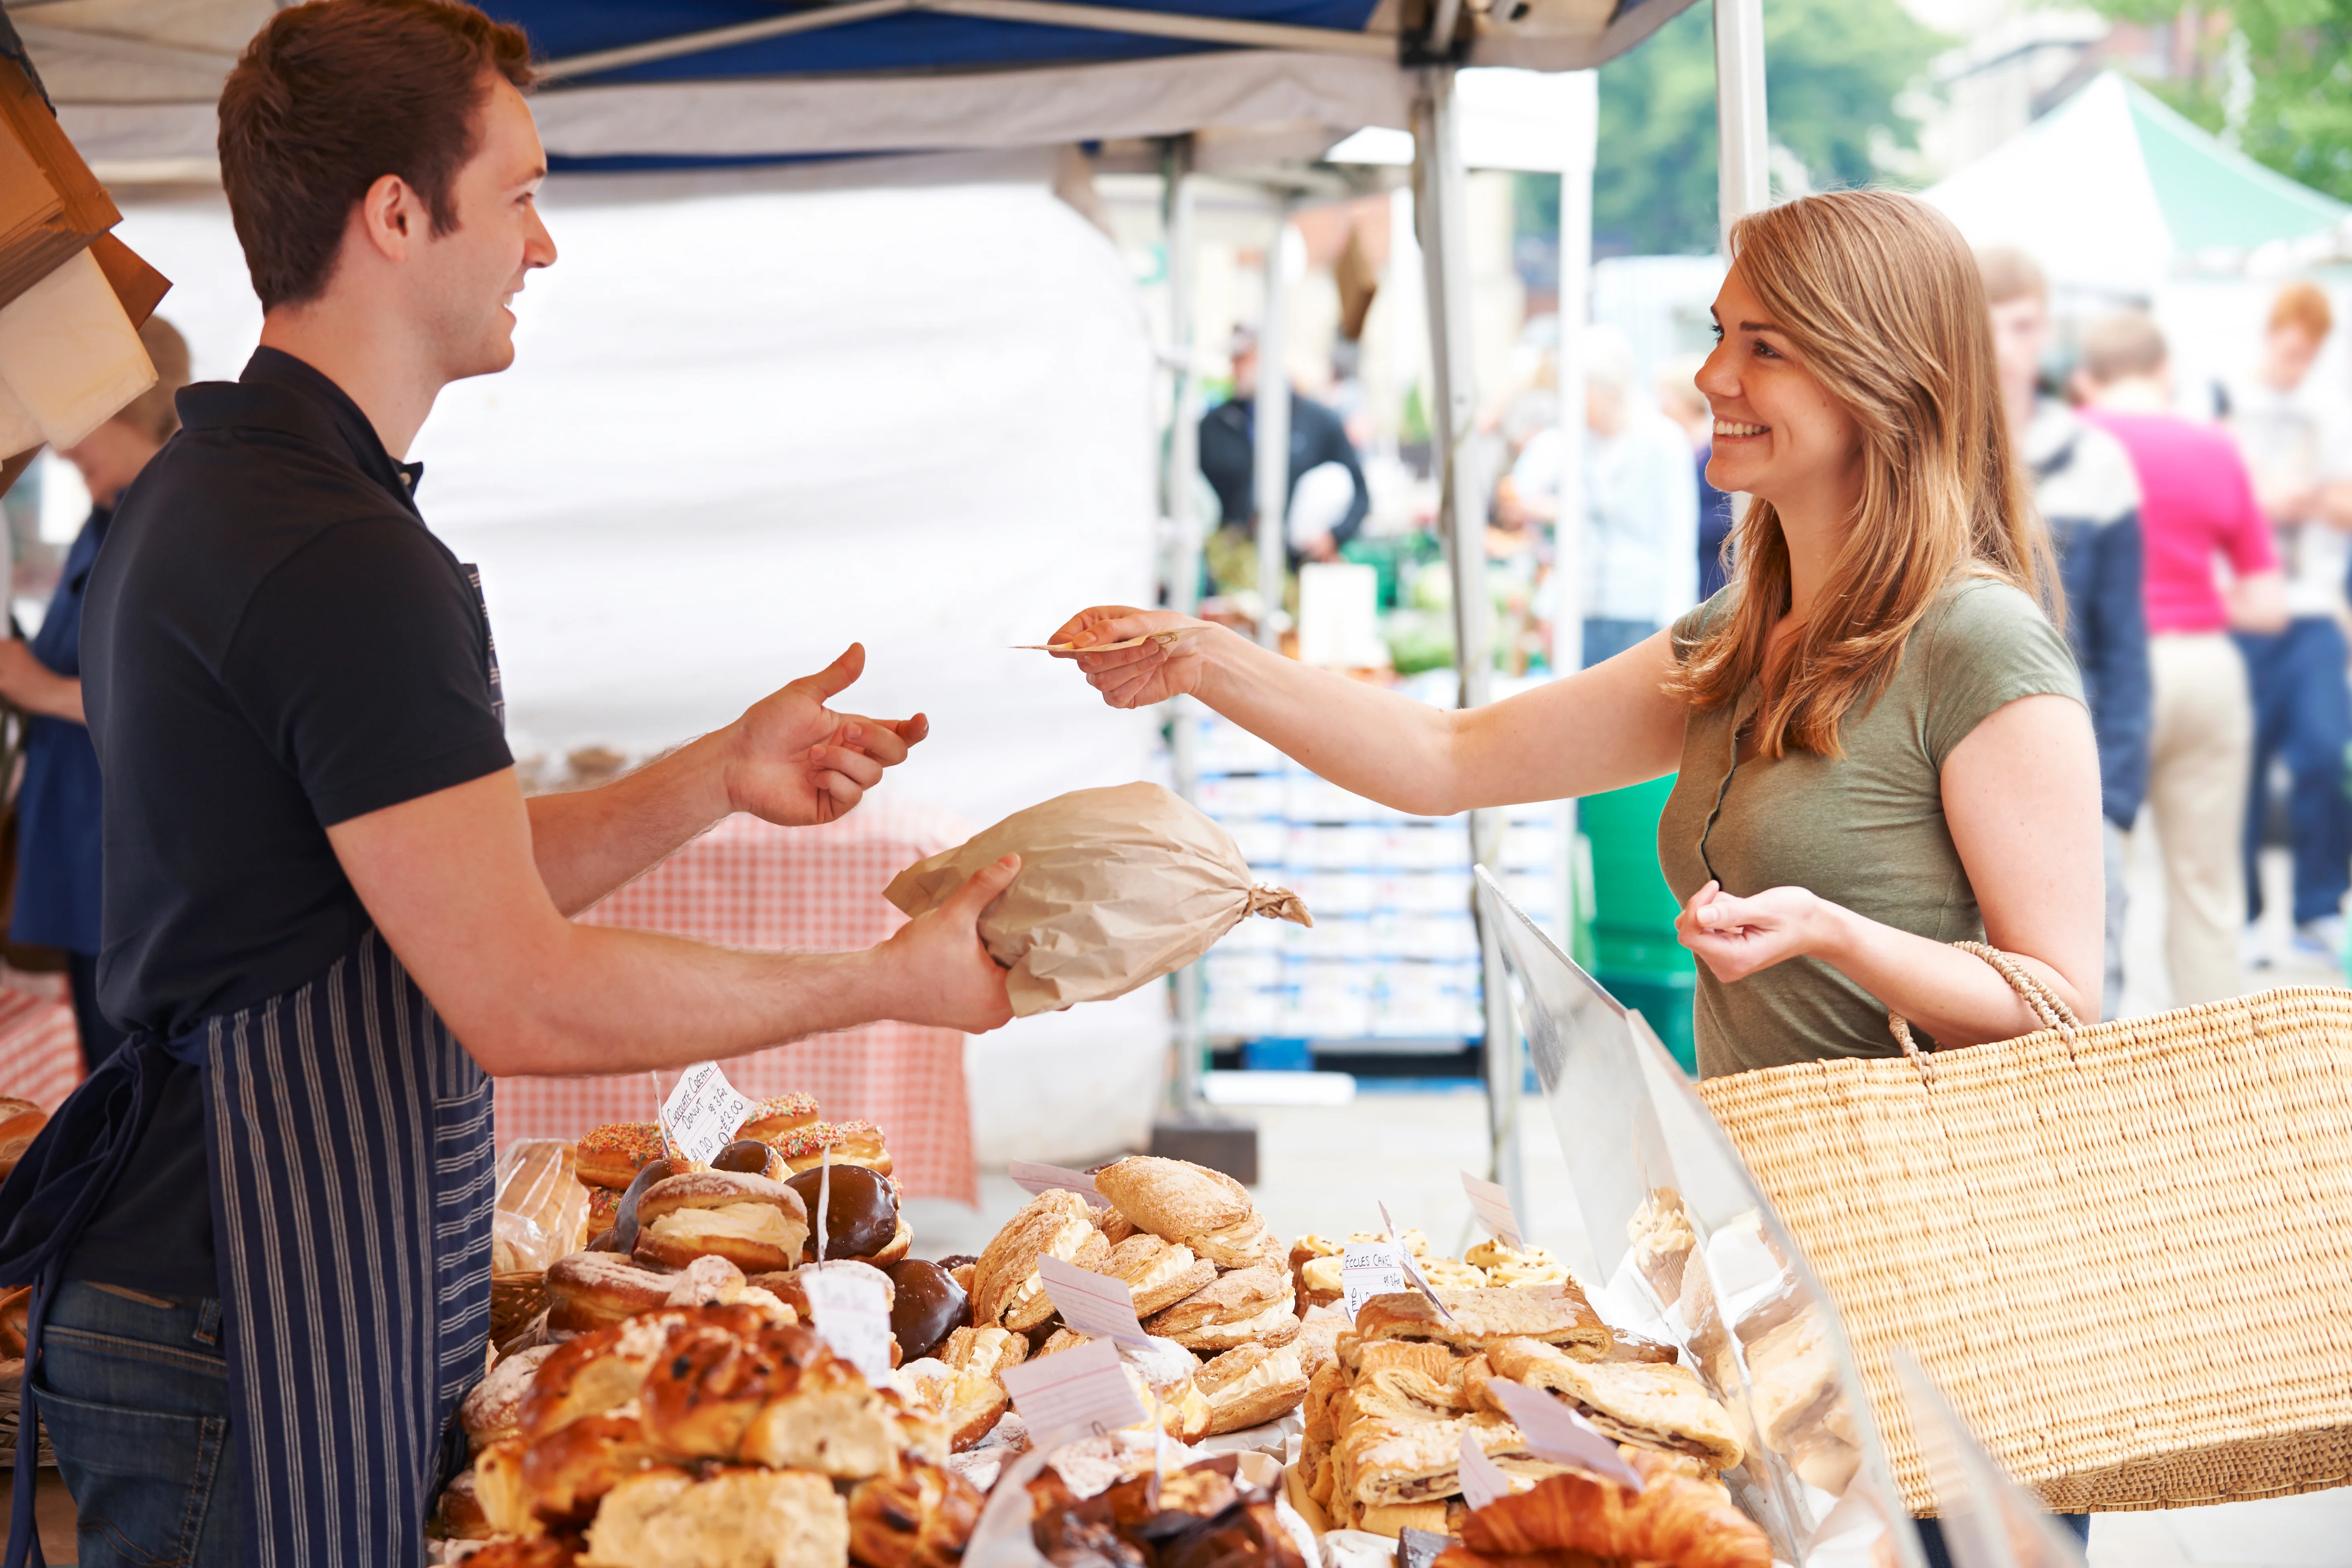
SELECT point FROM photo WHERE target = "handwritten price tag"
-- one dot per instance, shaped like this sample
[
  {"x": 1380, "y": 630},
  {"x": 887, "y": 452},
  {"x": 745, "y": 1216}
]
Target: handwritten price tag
[
  {"x": 1492, "y": 1204},
  {"x": 1032, "y": 1178},
  {"x": 1082, "y": 1393},
  {"x": 1096, "y": 1305},
  {"x": 703, "y": 1112},
  {"x": 1482, "y": 1479},
  {"x": 1370, "y": 1269},
  {"x": 852, "y": 1316},
  {"x": 1412, "y": 1270},
  {"x": 1555, "y": 1432}
]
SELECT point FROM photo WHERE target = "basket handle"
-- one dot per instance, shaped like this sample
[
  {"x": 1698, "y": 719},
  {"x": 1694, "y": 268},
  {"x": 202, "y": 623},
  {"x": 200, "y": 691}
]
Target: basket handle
[{"x": 2046, "y": 1005}]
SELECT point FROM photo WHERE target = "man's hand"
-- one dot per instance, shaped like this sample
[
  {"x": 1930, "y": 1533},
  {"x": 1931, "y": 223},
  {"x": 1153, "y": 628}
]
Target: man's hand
[
  {"x": 938, "y": 971},
  {"x": 34, "y": 686},
  {"x": 793, "y": 761}
]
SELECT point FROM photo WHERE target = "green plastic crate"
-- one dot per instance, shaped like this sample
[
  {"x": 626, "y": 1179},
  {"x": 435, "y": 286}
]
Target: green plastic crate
[{"x": 1634, "y": 952}]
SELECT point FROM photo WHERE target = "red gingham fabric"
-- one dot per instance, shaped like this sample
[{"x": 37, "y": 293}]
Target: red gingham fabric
[
  {"x": 40, "y": 1050},
  {"x": 749, "y": 884}
]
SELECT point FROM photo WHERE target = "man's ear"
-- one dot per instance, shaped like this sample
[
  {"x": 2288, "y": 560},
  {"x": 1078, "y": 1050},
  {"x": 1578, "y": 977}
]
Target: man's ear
[{"x": 390, "y": 218}]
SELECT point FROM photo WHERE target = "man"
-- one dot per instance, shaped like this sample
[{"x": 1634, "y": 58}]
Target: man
[
  {"x": 2298, "y": 441},
  {"x": 58, "y": 803},
  {"x": 2195, "y": 502},
  {"x": 1686, "y": 406},
  {"x": 1640, "y": 533},
  {"x": 259, "y": 1238},
  {"x": 1317, "y": 437},
  {"x": 2089, "y": 498}
]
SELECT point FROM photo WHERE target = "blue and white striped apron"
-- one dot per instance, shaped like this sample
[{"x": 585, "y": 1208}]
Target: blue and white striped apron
[{"x": 350, "y": 1166}]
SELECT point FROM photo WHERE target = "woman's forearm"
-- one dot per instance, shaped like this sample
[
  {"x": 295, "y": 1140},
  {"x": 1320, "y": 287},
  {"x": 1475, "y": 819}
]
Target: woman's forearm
[
  {"x": 1954, "y": 996},
  {"x": 1378, "y": 743}
]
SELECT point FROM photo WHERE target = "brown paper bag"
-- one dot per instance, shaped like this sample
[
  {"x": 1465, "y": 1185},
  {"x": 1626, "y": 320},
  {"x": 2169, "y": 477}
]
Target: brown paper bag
[{"x": 1118, "y": 887}]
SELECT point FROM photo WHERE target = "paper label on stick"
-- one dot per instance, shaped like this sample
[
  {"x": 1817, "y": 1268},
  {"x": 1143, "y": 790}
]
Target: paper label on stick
[
  {"x": 1074, "y": 1393},
  {"x": 1560, "y": 1435},
  {"x": 704, "y": 1112},
  {"x": 1370, "y": 1269},
  {"x": 1096, "y": 1305},
  {"x": 1492, "y": 1204},
  {"x": 851, "y": 1314},
  {"x": 1412, "y": 1270},
  {"x": 1482, "y": 1479},
  {"x": 1032, "y": 1178}
]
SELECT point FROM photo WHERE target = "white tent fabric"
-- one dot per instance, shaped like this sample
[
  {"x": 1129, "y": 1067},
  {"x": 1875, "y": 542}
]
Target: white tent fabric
[{"x": 747, "y": 428}]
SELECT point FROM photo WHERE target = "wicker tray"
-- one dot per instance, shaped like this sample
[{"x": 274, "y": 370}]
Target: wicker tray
[
  {"x": 2127, "y": 1257},
  {"x": 514, "y": 1299}
]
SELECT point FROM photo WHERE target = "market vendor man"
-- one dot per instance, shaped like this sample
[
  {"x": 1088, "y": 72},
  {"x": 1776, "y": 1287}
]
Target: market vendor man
[{"x": 261, "y": 1237}]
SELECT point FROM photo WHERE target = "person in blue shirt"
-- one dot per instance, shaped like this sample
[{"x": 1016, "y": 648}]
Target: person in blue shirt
[{"x": 57, "y": 807}]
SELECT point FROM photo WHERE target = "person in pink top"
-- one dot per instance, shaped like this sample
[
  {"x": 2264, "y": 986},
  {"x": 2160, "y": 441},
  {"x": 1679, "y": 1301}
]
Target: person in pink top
[{"x": 2197, "y": 504}]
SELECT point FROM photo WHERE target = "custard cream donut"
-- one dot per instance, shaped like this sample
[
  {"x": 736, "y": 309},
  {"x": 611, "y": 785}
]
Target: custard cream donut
[{"x": 756, "y": 1225}]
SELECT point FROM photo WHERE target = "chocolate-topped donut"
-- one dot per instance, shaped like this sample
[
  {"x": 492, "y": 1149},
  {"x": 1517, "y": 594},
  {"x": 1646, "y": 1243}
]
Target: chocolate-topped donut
[
  {"x": 861, "y": 1216},
  {"x": 929, "y": 1307},
  {"x": 749, "y": 1157},
  {"x": 623, "y": 1234}
]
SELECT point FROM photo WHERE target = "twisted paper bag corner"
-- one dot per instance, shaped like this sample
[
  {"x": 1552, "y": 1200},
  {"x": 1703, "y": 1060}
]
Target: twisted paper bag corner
[{"x": 1279, "y": 904}]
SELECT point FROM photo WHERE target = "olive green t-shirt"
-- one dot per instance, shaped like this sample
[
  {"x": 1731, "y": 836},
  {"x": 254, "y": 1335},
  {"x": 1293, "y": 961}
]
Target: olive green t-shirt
[{"x": 1865, "y": 831}]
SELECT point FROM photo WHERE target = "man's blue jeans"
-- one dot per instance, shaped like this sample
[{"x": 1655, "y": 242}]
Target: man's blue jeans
[
  {"x": 134, "y": 1393},
  {"x": 2303, "y": 709}
]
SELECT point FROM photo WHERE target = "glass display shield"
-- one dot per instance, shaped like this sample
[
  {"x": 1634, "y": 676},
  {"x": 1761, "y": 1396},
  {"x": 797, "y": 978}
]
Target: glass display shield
[
  {"x": 1989, "y": 1521},
  {"x": 1687, "y": 1250}
]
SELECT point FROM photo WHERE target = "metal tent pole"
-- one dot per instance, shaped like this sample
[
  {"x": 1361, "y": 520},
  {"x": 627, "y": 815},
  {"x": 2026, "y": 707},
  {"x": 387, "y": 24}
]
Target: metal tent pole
[
  {"x": 1743, "y": 172},
  {"x": 1271, "y": 410},
  {"x": 1440, "y": 182},
  {"x": 1179, "y": 486}
]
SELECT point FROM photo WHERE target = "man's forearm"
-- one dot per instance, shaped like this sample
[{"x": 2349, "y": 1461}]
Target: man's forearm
[{"x": 589, "y": 842}]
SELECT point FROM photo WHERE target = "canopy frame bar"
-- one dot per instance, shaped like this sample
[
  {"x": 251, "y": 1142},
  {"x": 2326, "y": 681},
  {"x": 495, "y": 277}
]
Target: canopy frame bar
[{"x": 1039, "y": 13}]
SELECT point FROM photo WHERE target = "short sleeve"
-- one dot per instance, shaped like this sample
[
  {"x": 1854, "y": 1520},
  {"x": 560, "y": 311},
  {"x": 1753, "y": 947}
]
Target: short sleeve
[
  {"x": 361, "y": 660},
  {"x": 1992, "y": 645}
]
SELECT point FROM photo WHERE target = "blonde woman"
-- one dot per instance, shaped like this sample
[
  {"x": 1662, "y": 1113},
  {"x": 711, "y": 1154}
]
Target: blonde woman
[{"x": 1879, "y": 735}]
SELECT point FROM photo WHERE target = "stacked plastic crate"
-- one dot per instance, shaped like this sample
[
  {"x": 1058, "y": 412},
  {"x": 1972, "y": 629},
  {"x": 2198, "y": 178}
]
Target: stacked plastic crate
[{"x": 1391, "y": 963}]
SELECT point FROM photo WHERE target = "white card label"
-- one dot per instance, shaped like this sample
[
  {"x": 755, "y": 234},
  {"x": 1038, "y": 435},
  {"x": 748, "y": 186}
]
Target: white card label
[
  {"x": 1096, "y": 1305},
  {"x": 1412, "y": 1270},
  {"x": 1370, "y": 1269},
  {"x": 1492, "y": 1204},
  {"x": 1482, "y": 1479},
  {"x": 1555, "y": 1432},
  {"x": 704, "y": 1112},
  {"x": 1032, "y": 1178},
  {"x": 1081, "y": 1393},
  {"x": 852, "y": 1315}
]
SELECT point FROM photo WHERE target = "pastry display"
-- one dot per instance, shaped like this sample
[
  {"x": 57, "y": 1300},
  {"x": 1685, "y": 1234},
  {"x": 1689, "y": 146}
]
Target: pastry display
[
  {"x": 960, "y": 1386},
  {"x": 1314, "y": 1265},
  {"x": 1649, "y": 1404},
  {"x": 492, "y": 1411},
  {"x": 861, "y": 1214},
  {"x": 1241, "y": 1306},
  {"x": 749, "y": 1157},
  {"x": 1007, "y": 1289},
  {"x": 1474, "y": 1320},
  {"x": 1251, "y": 1384},
  {"x": 1177, "y": 1200},
  {"x": 1166, "y": 1379},
  {"x": 773, "y": 1117},
  {"x": 1663, "y": 1242},
  {"x": 596, "y": 1289},
  {"x": 540, "y": 1211},
  {"x": 669, "y": 1518},
  {"x": 756, "y": 1225},
  {"x": 612, "y": 1156},
  {"x": 1158, "y": 1273},
  {"x": 1572, "y": 1517},
  {"x": 927, "y": 1305},
  {"x": 919, "y": 1517}
]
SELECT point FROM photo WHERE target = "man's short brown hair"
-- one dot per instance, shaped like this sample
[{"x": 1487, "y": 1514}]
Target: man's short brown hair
[
  {"x": 2304, "y": 304},
  {"x": 2118, "y": 347},
  {"x": 153, "y": 413},
  {"x": 2010, "y": 274},
  {"x": 330, "y": 97}
]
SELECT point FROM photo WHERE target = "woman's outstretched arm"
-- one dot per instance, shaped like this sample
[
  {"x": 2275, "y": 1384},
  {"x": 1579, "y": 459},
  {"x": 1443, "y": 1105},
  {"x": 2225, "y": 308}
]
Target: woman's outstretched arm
[
  {"x": 2021, "y": 795},
  {"x": 1599, "y": 728}
]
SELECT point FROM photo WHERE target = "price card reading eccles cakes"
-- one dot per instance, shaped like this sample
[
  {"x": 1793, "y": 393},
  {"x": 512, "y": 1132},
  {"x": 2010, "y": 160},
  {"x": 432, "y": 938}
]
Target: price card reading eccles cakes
[
  {"x": 1412, "y": 1270},
  {"x": 1072, "y": 1393},
  {"x": 704, "y": 1112},
  {"x": 1370, "y": 1269}
]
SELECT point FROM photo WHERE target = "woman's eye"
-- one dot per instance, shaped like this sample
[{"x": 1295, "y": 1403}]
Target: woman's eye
[
  {"x": 1716, "y": 330},
  {"x": 1764, "y": 349}
]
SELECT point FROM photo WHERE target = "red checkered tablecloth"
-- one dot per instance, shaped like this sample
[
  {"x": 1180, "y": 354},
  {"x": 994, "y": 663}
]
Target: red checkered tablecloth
[
  {"x": 40, "y": 1051},
  {"x": 751, "y": 885}
]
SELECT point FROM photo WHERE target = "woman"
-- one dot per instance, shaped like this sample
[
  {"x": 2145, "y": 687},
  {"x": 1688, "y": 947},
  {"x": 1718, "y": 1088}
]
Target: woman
[
  {"x": 57, "y": 807},
  {"x": 1879, "y": 736}
]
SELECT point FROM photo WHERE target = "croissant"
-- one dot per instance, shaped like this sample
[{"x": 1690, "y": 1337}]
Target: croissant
[{"x": 1672, "y": 1520}]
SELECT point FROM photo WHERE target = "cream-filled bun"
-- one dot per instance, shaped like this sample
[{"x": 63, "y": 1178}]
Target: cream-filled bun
[
  {"x": 1248, "y": 1305},
  {"x": 1006, "y": 1290},
  {"x": 756, "y": 1225},
  {"x": 1251, "y": 1384},
  {"x": 1158, "y": 1273}
]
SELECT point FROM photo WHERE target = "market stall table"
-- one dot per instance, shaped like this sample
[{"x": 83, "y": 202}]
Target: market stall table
[{"x": 751, "y": 885}]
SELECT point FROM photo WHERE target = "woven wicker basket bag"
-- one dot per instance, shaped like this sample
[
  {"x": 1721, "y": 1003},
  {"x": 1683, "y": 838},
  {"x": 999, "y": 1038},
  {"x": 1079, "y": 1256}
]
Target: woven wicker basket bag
[{"x": 2124, "y": 1251}]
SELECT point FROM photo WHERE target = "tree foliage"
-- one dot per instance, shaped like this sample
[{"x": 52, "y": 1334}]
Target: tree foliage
[
  {"x": 2292, "y": 84},
  {"x": 1832, "y": 72}
]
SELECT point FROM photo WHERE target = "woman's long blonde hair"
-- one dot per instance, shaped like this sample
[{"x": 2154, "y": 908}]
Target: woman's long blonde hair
[{"x": 1882, "y": 302}]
